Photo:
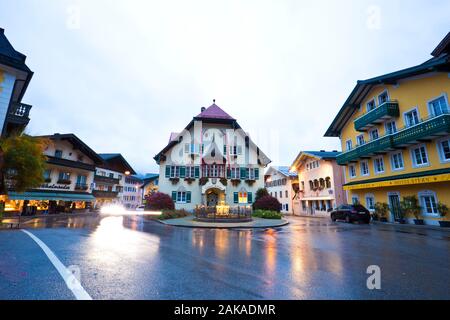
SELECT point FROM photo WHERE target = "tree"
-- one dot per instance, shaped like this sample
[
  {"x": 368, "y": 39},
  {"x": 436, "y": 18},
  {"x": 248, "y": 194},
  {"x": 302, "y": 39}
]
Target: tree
[
  {"x": 261, "y": 192},
  {"x": 159, "y": 201},
  {"x": 268, "y": 203},
  {"x": 23, "y": 162}
]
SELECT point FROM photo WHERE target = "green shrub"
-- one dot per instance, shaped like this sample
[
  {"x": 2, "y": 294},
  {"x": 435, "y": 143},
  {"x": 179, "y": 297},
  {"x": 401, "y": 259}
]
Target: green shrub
[
  {"x": 267, "y": 214},
  {"x": 172, "y": 214}
]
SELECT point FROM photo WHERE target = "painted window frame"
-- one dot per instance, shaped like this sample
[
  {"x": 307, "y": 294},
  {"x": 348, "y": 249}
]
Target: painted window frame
[
  {"x": 180, "y": 197},
  {"x": 375, "y": 165},
  {"x": 348, "y": 143},
  {"x": 355, "y": 196},
  {"x": 358, "y": 140},
  {"x": 371, "y": 132},
  {"x": 441, "y": 149},
  {"x": 374, "y": 105},
  {"x": 413, "y": 156},
  {"x": 409, "y": 111},
  {"x": 430, "y": 112},
  {"x": 350, "y": 171},
  {"x": 386, "y": 127},
  {"x": 366, "y": 162},
  {"x": 385, "y": 92},
  {"x": 428, "y": 193},
  {"x": 391, "y": 160},
  {"x": 371, "y": 196}
]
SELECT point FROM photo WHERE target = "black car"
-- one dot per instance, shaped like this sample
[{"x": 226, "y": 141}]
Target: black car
[{"x": 351, "y": 213}]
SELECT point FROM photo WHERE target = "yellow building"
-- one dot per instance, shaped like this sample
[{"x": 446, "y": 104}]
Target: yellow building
[{"x": 395, "y": 135}]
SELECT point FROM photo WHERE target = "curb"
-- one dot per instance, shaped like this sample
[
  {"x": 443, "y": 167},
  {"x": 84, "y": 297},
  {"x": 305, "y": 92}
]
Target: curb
[
  {"x": 282, "y": 224},
  {"x": 410, "y": 226}
]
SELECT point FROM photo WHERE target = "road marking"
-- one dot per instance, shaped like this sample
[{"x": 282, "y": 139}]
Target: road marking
[{"x": 71, "y": 281}]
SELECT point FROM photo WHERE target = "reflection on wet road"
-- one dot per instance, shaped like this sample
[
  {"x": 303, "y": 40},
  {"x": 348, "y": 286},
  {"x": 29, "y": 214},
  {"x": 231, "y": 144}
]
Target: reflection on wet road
[{"x": 129, "y": 258}]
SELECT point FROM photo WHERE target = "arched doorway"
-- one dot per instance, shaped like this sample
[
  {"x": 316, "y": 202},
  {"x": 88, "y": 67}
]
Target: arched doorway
[{"x": 212, "y": 198}]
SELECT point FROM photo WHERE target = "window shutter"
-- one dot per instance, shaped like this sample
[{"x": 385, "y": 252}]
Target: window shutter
[
  {"x": 168, "y": 171},
  {"x": 250, "y": 197},
  {"x": 197, "y": 172},
  {"x": 236, "y": 197},
  {"x": 239, "y": 150},
  {"x": 186, "y": 148},
  {"x": 182, "y": 172},
  {"x": 188, "y": 197},
  {"x": 174, "y": 196},
  {"x": 243, "y": 173},
  {"x": 228, "y": 173},
  {"x": 224, "y": 149},
  {"x": 256, "y": 173}
]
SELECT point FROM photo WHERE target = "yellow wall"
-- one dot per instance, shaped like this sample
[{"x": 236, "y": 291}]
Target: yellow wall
[
  {"x": 410, "y": 93},
  {"x": 442, "y": 190}
]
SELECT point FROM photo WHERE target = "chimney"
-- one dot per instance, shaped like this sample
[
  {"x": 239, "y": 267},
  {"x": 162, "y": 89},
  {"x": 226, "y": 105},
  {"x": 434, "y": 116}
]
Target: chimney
[{"x": 202, "y": 109}]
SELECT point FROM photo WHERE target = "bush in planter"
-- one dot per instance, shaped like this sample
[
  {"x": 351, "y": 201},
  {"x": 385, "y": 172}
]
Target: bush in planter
[
  {"x": 261, "y": 192},
  {"x": 267, "y": 214},
  {"x": 172, "y": 214},
  {"x": 410, "y": 206},
  {"x": 267, "y": 203},
  {"x": 159, "y": 201},
  {"x": 381, "y": 210},
  {"x": 443, "y": 211}
]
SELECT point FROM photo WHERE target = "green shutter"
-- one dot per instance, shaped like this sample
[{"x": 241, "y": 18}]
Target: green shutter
[
  {"x": 256, "y": 173},
  {"x": 197, "y": 172},
  {"x": 188, "y": 197},
  {"x": 174, "y": 196},
  {"x": 250, "y": 197},
  {"x": 224, "y": 149},
  {"x": 236, "y": 197},
  {"x": 228, "y": 173},
  {"x": 182, "y": 172},
  {"x": 167, "y": 171},
  {"x": 243, "y": 173}
]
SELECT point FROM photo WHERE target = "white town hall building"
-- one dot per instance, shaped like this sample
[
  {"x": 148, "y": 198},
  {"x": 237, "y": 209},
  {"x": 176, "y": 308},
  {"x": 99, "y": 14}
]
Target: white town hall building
[{"x": 211, "y": 163}]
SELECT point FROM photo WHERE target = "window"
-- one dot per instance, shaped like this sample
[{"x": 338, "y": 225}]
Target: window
[
  {"x": 286, "y": 194},
  {"x": 235, "y": 150},
  {"x": 397, "y": 161},
  {"x": 411, "y": 118},
  {"x": 58, "y": 153},
  {"x": 243, "y": 197},
  {"x": 328, "y": 182},
  {"x": 235, "y": 173},
  {"x": 348, "y": 145},
  {"x": 364, "y": 168},
  {"x": 286, "y": 207},
  {"x": 81, "y": 179},
  {"x": 174, "y": 172},
  {"x": 378, "y": 164},
  {"x": 419, "y": 156},
  {"x": 111, "y": 175},
  {"x": 390, "y": 127},
  {"x": 355, "y": 200},
  {"x": 352, "y": 171},
  {"x": 47, "y": 175},
  {"x": 281, "y": 194},
  {"x": 190, "y": 172},
  {"x": 370, "y": 202},
  {"x": 181, "y": 197},
  {"x": 370, "y": 105},
  {"x": 444, "y": 150},
  {"x": 192, "y": 148},
  {"x": 428, "y": 202},
  {"x": 64, "y": 176},
  {"x": 360, "y": 140},
  {"x": 438, "y": 106},
  {"x": 382, "y": 98},
  {"x": 374, "y": 134},
  {"x": 311, "y": 185}
]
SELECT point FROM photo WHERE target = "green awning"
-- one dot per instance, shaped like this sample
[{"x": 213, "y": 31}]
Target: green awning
[{"x": 50, "y": 196}]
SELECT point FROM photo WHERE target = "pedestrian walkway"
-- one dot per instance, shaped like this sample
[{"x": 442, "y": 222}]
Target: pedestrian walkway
[{"x": 190, "y": 222}]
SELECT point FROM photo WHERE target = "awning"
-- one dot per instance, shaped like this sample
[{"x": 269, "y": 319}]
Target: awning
[{"x": 51, "y": 196}]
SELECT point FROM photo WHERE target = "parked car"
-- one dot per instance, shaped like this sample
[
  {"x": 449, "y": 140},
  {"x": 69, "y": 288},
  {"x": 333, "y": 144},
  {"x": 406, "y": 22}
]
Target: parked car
[
  {"x": 351, "y": 213},
  {"x": 140, "y": 208}
]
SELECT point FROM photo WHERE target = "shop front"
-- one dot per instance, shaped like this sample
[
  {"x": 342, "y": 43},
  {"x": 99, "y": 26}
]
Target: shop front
[{"x": 41, "y": 202}]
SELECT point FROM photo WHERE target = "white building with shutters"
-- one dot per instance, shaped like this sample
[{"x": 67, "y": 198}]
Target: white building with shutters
[{"x": 211, "y": 162}]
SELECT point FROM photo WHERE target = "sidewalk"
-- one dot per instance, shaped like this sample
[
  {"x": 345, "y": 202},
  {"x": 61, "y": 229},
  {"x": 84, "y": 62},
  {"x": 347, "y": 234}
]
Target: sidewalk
[
  {"x": 189, "y": 222},
  {"x": 411, "y": 226}
]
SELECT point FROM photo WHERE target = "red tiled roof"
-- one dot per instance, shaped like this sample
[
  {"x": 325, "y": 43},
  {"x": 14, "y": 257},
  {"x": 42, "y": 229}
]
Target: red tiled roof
[{"x": 214, "y": 112}]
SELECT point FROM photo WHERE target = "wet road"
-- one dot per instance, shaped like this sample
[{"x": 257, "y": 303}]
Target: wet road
[{"x": 127, "y": 258}]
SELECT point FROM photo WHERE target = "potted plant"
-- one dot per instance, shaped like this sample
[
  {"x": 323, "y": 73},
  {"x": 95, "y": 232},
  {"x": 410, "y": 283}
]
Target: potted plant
[
  {"x": 224, "y": 181},
  {"x": 203, "y": 180},
  {"x": 410, "y": 206},
  {"x": 189, "y": 180},
  {"x": 250, "y": 182},
  {"x": 235, "y": 182},
  {"x": 381, "y": 210},
  {"x": 174, "y": 180},
  {"x": 443, "y": 211}
]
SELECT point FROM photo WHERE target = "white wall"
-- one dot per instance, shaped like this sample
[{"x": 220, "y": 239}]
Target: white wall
[
  {"x": 6, "y": 87},
  {"x": 275, "y": 190}
]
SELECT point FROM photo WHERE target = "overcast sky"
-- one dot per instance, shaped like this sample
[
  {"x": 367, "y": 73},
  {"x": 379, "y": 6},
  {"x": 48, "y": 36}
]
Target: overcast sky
[{"x": 122, "y": 75}]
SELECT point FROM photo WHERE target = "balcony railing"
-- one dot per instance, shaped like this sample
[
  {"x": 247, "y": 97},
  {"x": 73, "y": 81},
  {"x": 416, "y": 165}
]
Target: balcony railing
[
  {"x": 106, "y": 179},
  {"x": 425, "y": 129},
  {"x": 385, "y": 111},
  {"x": 81, "y": 186},
  {"x": 104, "y": 194}
]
